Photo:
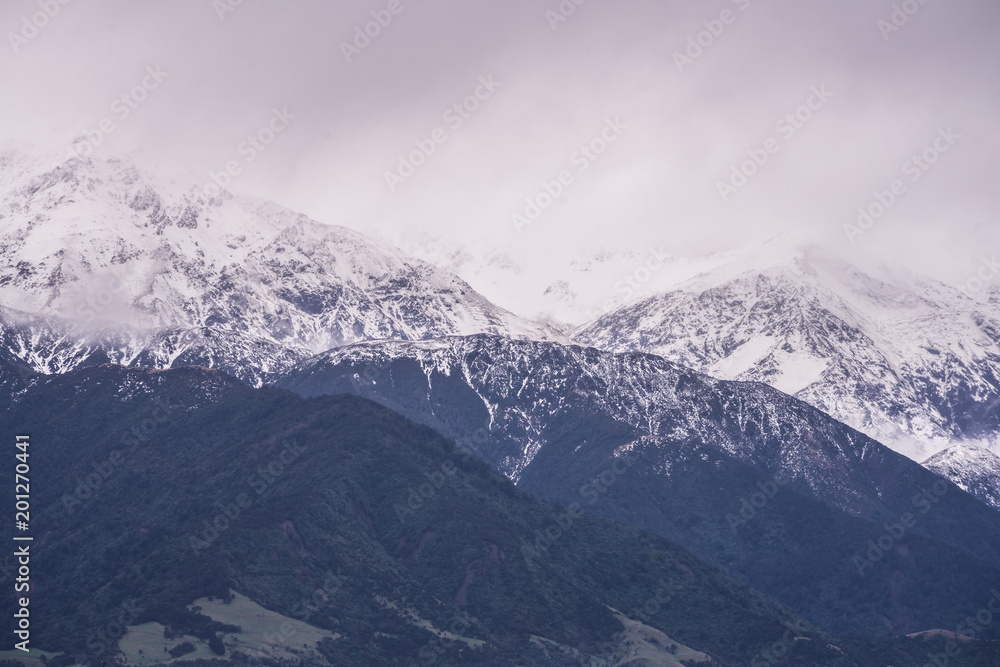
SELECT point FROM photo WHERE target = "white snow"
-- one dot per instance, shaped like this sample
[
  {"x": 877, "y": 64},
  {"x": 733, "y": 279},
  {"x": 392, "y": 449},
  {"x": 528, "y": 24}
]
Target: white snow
[
  {"x": 860, "y": 345},
  {"x": 797, "y": 373},
  {"x": 106, "y": 242},
  {"x": 743, "y": 358}
]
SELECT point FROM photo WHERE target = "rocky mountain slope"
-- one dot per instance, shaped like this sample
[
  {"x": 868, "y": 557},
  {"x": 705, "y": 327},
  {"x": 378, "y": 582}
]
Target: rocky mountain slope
[
  {"x": 756, "y": 482},
  {"x": 972, "y": 468},
  {"x": 102, "y": 244},
  {"x": 56, "y": 345},
  {"x": 372, "y": 538},
  {"x": 908, "y": 361}
]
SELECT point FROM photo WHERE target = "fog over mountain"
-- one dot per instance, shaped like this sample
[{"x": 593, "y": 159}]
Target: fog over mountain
[
  {"x": 227, "y": 68},
  {"x": 910, "y": 361},
  {"x": 520, "y": 334}
]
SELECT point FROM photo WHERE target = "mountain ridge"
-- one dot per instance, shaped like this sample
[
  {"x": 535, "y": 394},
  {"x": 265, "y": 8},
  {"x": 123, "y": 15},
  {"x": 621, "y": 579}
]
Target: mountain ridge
[
  {"x": 561, "y": 420},
  {"x": 909, "y": 361},
  {"x": 95, "y": 245},
  {"x": 974, "y": 469},
  {"x": 266, "y": 493}
]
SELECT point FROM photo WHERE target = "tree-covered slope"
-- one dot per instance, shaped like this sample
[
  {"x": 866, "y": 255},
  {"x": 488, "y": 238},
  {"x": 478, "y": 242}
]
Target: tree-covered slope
[{"x": 155, "y": 489}]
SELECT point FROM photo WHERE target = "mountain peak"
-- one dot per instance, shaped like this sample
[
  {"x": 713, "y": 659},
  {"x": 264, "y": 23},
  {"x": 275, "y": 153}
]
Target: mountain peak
[
  {"x": 102, "y": 241},
  {"x": 907, "y": 360},
  {"x": 971, "y": 467}
]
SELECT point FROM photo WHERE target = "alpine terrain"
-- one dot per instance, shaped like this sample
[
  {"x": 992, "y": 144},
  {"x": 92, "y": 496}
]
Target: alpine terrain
[
  {"x": 766, "y": 487},
  {"x": 909, "y": 361},
  {"x": 101, "y": 261}
]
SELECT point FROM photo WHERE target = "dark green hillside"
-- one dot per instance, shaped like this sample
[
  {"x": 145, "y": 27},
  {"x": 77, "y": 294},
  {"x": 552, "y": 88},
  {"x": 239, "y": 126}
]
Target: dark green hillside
[
  {"x": 341, "y": 513},
  {"x": 320, "y": 488},
  {"x": 700, "y": 452}
]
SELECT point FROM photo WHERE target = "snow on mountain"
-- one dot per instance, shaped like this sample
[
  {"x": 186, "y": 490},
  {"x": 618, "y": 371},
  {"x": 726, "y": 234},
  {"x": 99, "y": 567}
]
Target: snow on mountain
[
  {"x": 638, "y": 439},
  {"x": 971, "y": 468},
  {"x": 565, "y": 290},
  {"x": 516, "y": 394},
  {"x": 909, "y": 361},
  {"x": 53, "y": 345},
  {"x": 101, "y": 242}
]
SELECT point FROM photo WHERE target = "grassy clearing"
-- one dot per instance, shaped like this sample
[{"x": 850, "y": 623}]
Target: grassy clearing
[
  {"x": 32, "y": 658},
  {"x": 639, "y": 646},
  {"x": 649, "y": 646},
  {"x": 412, "y": 617},
  {"x": 264, "y": 632}
]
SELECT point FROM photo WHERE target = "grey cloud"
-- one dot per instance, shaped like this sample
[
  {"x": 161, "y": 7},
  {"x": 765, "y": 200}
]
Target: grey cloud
[{"x": 658, "y": 184}]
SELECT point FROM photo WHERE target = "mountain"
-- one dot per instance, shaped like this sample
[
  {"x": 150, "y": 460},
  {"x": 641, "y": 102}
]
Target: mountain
[
  {"x": 183, "y": 512},
  {"x": 101, "y": 244},
  {"x": 571, "y": 287},
  {"x": 50, "y": 344},
  {"x": 762, "y": 485},
  {"x": 14, "y": 380},
  {"x": 906, "y": 360},
  {"x": 973, "y": 469}
]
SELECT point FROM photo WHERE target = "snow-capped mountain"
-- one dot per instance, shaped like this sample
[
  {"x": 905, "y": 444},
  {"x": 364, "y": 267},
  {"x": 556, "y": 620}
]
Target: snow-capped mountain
[
  {"x": 507, "y": 398},
  {"x": 55, "y": 345},
  {"x": 567, "y": 290},
  {"x": 972, "y": 468},
  {"x": 101, "y": 243},
  {"x": 753, "y": 480},
  {"x": 909, "y": 361}
]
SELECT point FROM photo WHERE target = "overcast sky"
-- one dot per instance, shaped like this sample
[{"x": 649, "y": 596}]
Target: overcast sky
[{"x": 678, "y": 125}]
